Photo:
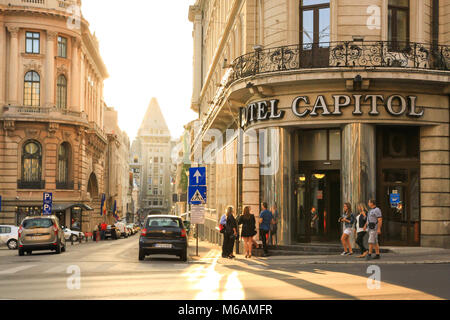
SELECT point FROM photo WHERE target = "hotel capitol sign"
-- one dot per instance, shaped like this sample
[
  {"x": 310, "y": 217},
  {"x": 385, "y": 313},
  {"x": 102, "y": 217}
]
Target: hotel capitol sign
[{"x": 396, "y": 105}]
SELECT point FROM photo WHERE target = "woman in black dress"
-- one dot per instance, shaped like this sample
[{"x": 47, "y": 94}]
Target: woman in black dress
[
  {"x": 248, "y": 230},
  {"x": 230, "y": 233}
]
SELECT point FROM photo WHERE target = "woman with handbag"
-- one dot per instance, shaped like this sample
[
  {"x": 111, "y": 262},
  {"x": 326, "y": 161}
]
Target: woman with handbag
[
  {"x": 361, "y": 221},
  {"x": 230, "y": 233},
  {"x": 248, "y": 230}
]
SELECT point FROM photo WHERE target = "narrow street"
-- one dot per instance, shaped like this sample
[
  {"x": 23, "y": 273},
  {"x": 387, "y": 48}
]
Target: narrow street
[{"x": 111, "y": 270}]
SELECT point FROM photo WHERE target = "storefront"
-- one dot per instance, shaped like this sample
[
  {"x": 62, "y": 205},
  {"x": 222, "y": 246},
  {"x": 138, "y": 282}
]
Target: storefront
[{"x": 331, "y": 148}]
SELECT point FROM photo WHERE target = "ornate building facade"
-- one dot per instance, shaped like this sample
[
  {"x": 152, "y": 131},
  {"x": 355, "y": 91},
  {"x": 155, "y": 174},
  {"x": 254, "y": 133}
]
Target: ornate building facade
[
  {"x": 151, "y": 162},
  {"x": 332, "y": 101},
  {"x": 51, "y": 113}
]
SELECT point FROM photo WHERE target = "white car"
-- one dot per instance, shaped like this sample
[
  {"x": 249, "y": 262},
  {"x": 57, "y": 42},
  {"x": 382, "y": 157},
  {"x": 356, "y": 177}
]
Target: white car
[
  {"x": 9, "y": 236},
  {"x": 72, "y": 235},
  {"x": 122, "y": 229}
]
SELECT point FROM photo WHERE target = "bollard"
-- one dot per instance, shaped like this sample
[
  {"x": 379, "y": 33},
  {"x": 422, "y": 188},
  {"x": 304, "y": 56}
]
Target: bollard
[{"x": 71, "y": 240}]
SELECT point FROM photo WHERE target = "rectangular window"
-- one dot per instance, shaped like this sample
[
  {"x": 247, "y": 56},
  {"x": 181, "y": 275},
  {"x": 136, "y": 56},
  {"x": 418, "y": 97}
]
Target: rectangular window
[
  {"x": 155, "y": 191},
  {"x": 32, "y": 42},
  {"x": 398, "y": 24},
  {"x": 62, "y": 47},
  {"x": 320, "y": 145}
]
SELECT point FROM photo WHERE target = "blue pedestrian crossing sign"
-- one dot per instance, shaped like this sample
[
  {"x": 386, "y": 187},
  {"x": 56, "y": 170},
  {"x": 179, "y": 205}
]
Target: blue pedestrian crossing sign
[
  {"x": 197, "y": 176},
  {"x": 197, "y": 194},
  {"x": 48, "y": 203}
]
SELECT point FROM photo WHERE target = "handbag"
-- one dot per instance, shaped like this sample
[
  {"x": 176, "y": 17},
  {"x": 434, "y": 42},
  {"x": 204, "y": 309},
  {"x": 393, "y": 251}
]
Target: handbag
[{"x": 372, "y": 225}]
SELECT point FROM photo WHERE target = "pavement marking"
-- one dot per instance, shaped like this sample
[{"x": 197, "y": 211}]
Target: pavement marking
[
  {"x": 57, "y": 269},
  {"x": 17, "y": 269}
]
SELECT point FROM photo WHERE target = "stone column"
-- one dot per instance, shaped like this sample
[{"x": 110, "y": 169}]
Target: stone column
[
  {"x": 75, "y": 79},
  {"x": 50, "y": 70},
  {"x": 14, "y": 66},
  {"x": 358, "y": 176},
  {"x": 2, "y": 64},
  {"x": 197, "y": 34}
]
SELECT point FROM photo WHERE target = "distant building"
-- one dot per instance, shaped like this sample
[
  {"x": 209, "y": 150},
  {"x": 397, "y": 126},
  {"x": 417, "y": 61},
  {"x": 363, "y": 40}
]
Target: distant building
[
  {"x": 117, "y": 180},
  {"x": 151, "y": 158}
]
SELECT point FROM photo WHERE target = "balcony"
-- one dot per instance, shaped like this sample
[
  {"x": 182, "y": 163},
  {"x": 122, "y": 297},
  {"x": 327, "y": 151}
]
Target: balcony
[
  {"x": 45, "y": 4},
  {"x": 65, "y": 185},
  {"x": 31, "y": 185},
  {"x": 42, "y": 113},
  {"x": 367, "y": 55}
]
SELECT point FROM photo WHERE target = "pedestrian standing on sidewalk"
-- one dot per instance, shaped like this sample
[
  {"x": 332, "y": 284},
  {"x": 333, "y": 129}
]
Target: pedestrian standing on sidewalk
[
  {"x": 349, "y": 220},
  {"x": 274, "y": 226},
  {"x": 374, "y": 223},
  {"x": 103, "y": 230},
  {"x": 265, "y": 220},
  {"x": 361, "y": 220},
  {"x": 230, "y": 232},
  {"x": 248, "y": 230},
  {"x": 222, "y": 224}
]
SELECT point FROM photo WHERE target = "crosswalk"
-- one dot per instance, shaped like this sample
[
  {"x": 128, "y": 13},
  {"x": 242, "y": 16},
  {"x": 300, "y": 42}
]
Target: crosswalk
[{"x": 87, "y": 268}]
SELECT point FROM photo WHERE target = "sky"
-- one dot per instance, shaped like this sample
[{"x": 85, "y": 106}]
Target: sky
[{"x": 147, "y": 48}]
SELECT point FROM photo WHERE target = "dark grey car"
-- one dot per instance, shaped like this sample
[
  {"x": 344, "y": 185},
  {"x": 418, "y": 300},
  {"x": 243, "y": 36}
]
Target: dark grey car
[{"x": 163, "y": 234}]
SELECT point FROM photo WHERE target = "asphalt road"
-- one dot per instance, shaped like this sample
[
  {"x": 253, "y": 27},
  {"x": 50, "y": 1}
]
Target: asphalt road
[{"x": 111, "y": 270}]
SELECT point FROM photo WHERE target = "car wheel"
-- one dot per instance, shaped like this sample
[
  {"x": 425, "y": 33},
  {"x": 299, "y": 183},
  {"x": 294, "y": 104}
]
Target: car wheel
[
  {"x": 29, "y": 253},
  {"x": 12, "y": 244},
  {"x": 74, "y": 238},
  {"x": 141, "y": 255},
  {"x": 183, "y": 256},
  {"x": 21, "y": 252},
  {"x": 58, "y": 248}
]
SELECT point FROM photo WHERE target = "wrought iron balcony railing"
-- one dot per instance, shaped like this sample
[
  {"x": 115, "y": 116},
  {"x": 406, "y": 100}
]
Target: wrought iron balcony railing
[
  {"x": 65, "y": 185},
  {"x": 370, "y": 55},
  {"x": 32, "y": 185}
]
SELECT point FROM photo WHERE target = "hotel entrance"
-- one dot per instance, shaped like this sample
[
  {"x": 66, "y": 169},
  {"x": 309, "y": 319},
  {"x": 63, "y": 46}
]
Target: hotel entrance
[
  {"x": 317, "y": 197},
  {"x": 317, "y": 186}
]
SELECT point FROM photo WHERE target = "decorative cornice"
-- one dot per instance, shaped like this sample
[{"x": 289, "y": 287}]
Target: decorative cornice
[
  {"x": 32, "y": 66},
  {"x": 62, "y": 70}
]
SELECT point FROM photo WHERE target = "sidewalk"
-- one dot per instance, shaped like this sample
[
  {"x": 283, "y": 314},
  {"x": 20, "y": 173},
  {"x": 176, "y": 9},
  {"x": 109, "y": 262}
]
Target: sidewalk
[{"x": 397, "y": 255}]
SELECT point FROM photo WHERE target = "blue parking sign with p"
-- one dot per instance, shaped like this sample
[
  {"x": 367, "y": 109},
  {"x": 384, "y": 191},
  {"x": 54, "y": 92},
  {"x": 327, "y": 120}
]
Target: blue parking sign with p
[{"x": 48, "y": 202}]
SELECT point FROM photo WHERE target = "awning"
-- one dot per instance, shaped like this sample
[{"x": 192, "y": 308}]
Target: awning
[{"x": 58, "y": 207}]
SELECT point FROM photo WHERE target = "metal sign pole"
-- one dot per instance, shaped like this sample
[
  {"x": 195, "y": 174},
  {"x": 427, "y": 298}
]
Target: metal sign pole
[{"x": 196, "y": 249}]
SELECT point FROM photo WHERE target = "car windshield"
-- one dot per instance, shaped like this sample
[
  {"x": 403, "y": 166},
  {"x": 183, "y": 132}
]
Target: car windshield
[
  {"x": 163, "y": 222},
  {"x": 37, "y": 223}
]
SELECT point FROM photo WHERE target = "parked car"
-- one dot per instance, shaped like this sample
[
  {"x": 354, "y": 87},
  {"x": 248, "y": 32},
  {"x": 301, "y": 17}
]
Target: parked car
[
  {"x": 132, "y": 229},
  {"x": 112, "y": 232},
  {"x": 122, "y": 228},
  {"x": 163, "y": 234},
  {"x": 41, "y": 233},
  {"x": 72, "y": 235},
  {"x": 9, "y": 236}
]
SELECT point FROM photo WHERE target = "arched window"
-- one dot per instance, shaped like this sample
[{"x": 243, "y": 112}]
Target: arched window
[
  {"x": 63, "y": 163},
  {"x": 32, "y": 89},
  {"x": 31, "y": 162},
  {"x": 61, "y": 93}
]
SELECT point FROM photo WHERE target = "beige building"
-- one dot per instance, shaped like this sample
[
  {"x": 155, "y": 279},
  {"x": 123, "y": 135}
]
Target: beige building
[
  {"x": 151, "y": 154},
  {"x": 117, "y": 165},
  {"x": 51, "y": 113},
  {"x": 340, "y": 101}
]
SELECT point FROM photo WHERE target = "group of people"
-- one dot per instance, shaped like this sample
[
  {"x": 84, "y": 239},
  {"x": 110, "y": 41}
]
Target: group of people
[
  {"x": 228, "y": 226},
  {"x": 367, "y": 221},
  {"x": 100, "y": 231}
]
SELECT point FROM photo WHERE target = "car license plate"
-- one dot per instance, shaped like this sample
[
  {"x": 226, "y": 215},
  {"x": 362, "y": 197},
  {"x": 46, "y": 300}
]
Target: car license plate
[{"x": 163, "y": 245}]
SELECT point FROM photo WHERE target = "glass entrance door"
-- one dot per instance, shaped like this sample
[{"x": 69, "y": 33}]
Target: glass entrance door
[
  {"x": 317, "y": 196},
  {"x": 400, "y": 207}
]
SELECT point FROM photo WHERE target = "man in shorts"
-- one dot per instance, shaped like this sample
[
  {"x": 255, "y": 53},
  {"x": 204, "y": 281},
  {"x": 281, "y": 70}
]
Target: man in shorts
[{"x": 374, "y": 223}]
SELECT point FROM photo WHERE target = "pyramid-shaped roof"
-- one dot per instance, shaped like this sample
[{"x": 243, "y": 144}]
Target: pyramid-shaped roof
[{"x": 153, "y": 120}]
